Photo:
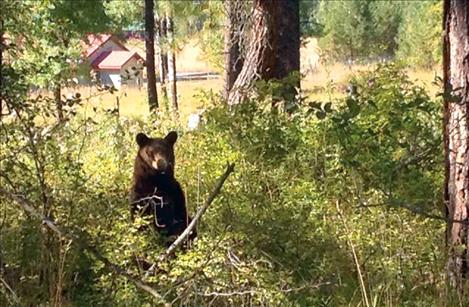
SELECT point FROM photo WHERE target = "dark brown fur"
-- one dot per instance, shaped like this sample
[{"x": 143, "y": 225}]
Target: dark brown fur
[{"x": 154, "y": 177}]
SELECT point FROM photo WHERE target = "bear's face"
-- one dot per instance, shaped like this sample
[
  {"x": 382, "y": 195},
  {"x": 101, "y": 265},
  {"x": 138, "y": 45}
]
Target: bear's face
[{"x": 157, "y": 153}]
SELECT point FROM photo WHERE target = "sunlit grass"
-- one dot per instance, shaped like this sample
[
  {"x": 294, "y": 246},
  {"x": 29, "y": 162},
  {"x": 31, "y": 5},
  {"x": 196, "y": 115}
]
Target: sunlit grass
[
  {"x": 133, "y": 101},
  {"x": 322, "y": 84}
]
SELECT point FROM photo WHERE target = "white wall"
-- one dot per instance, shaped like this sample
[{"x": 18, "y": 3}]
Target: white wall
[{"x": 110, "y": 77}]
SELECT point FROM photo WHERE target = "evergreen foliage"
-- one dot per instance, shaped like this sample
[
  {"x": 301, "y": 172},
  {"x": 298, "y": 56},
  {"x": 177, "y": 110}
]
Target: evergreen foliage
[
  {"x": 420, "y": 33},
  {"x": 366, "y": 30}
]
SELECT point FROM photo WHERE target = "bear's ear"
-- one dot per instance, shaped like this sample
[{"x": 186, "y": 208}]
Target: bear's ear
[
  {"x": 171, "y": 137},
  {"x": 142, "y": 139}
]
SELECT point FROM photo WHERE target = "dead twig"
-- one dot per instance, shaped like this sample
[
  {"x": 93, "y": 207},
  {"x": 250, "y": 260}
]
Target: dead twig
[
  {"x": 216, "y": 190},
  {"x": 27, "y": 206}
]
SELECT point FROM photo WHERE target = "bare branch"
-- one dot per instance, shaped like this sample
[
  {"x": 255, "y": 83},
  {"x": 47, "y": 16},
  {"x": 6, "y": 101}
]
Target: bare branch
[
  {"x": 64, "y": 233},
  {"x": 397, "y": 204},
  {"x": 234, "y": 293},
  {"x": 216, "y": 190},
  {"x": 13, "y": 293},
  {"x": 253, "y": 291}
]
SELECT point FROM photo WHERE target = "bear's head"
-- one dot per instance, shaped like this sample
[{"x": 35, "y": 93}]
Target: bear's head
[{"x": 157, "y": 153}]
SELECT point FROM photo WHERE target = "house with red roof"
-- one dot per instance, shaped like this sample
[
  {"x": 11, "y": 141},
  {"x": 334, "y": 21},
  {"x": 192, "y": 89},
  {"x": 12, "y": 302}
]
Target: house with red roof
[{"x": 113, "y": 62}]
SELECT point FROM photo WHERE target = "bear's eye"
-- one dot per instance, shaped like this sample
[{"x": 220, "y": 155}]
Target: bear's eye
[{"x": 150, "y": 153}]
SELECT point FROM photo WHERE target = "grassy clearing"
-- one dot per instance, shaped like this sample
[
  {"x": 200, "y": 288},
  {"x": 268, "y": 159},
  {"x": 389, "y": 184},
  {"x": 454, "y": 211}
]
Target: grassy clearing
[
  {"x": 320, "y": 82},
  {"x": 325, "y": 83},
  {"x": 133, "y": 101}
]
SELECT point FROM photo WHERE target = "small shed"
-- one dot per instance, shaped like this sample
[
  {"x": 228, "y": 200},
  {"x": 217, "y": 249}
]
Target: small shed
[
  {"x": 113, "y": 62},
  {"x": 117, "y": 67}
]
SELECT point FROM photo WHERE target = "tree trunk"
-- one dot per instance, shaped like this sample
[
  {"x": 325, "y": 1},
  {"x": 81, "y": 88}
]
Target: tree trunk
[
  {"x": 233, "y": 58},
  {"x": 456, "y": 134},
  {"x": 150, "y": 54},
  {"x": 1, "y": 66},
  {"x": 58, "y": 103},
  {"x": 171, "y": 63},
  {"x": 274, "y": 49},
  {"x": 162, "y": 55},
  {"x": 259, "y": 53},
  {"x": 288, "y": 47}
]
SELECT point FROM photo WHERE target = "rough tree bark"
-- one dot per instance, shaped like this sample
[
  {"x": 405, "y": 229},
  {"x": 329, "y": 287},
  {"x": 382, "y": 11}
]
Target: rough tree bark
[
  {"x": 171, "y": 63},
  {"x": 233, "y": 58},
  {"x": 274, "y": 49},
  {"x": 1, "y": 67},
  {"x": 150, "y": 54},
  {"x": 456, "y": 134}
]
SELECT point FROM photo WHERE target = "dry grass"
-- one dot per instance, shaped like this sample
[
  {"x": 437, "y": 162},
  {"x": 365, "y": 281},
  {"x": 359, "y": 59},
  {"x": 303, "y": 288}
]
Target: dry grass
[
  {"x": 326, "y": 76},
  {"x": 133, "y": 102},
  {"x": 426, "y": 78},
  {"x": 324, "y": 83},
  {"x": 320, "y": 82},
  {"x": 188, "y": 59}
]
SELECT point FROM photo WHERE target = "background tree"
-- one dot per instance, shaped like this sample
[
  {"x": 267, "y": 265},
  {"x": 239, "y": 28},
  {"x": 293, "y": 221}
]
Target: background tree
[
  {"x": 369, "y": 30},
  {"x": 60, "y": 42},
  {"x": 171, "y": 59},
  {"x": 456, "y": 122},
  {"x": 124, "y": 14},
  {"x": 234, "y": 20},
  {"x": 346, "y": 28},
  {"x": 385, "y": 20},
  {"x": 161, "y": 38},
  {"x": 150, "y": 54},
  {"x": 176, "y": 29},
  {"x": 180, "y": 21},
  {"x": 419, "y": 36},
  {"x": 309, "y": 23},
  {"x": 274, "y": 48},
  {"x": 172, "y": 31}
]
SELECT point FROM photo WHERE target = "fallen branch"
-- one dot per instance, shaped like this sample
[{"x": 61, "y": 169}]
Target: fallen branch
[
  {"x": 63, "y": 233},
  {"x": 216, "y": 190}
]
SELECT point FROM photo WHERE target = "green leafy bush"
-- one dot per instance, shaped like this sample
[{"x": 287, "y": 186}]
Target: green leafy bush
[{"x": 310, "y": 184}]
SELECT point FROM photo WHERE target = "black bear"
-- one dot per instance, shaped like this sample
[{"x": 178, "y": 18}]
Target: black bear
[{"x": 155, "y": 191}]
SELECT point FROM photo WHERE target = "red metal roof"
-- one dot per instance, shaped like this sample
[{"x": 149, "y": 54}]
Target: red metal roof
[
  {"x": 114, "y": 60},
  {"x": 94, "y": 41}
]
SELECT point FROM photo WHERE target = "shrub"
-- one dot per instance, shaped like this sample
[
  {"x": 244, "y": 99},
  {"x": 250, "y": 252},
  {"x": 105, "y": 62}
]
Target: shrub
[{"x": 310, "y": 184}]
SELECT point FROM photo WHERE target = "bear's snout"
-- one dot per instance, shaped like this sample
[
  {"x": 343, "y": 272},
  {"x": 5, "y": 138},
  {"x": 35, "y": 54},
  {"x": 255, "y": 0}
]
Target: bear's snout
[{"x": 160, "y": 164}]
